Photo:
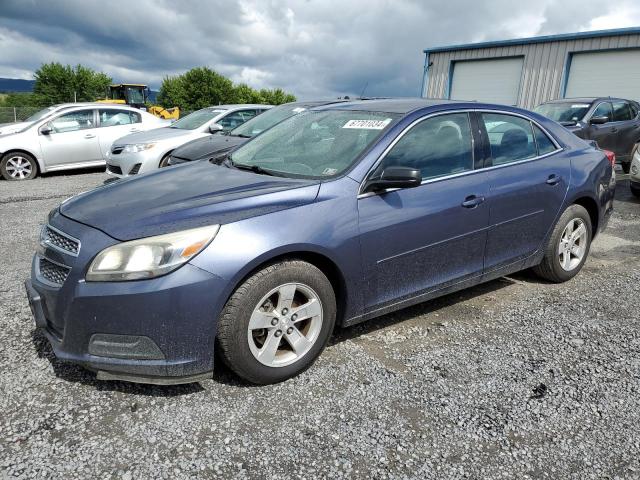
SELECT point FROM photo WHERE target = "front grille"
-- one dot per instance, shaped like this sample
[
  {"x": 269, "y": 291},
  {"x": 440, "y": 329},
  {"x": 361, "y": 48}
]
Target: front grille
[
  {"x": 52, "y": 272},
  {"x": 117, "y": 150},
  {"x": 135, "y": 169},
  {"x": 114, "y": 169},
  {"x": 60, "y": 241}
]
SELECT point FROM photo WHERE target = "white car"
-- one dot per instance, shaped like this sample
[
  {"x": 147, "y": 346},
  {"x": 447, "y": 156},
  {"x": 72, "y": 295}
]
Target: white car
[
  {"x": 148, "y": 151},
  {"x": 76, "y": 137},
  {"x": 14, "y": 127}
]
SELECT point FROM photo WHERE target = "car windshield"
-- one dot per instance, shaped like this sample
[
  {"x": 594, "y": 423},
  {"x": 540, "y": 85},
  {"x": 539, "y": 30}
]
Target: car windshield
[
  {"x": 266, "y": 120},
  {"x": 196, "y": 119},
  {"x": 40, "y": 114},
  {"x": 313, "y": 144},
  {"x": 563, "y": 112}
]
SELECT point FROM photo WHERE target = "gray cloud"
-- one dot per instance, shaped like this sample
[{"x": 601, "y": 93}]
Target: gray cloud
[{"x": 314, "y": 48}]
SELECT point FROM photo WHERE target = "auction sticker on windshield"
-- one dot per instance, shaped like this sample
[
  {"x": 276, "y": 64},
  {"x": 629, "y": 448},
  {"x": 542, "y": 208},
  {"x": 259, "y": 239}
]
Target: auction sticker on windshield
[{"x": 367, "y": 124}]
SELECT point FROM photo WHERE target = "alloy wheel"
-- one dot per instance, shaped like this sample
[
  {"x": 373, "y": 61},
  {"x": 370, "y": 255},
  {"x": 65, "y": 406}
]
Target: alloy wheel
[
  {"x": 18, "y": 167},
  {"x": 285, "y": 325},
  {"x": 573, "y": 244}
]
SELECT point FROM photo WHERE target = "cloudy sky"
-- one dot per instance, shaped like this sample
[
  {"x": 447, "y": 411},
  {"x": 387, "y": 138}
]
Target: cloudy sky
[{"x": 313, "y": 48}]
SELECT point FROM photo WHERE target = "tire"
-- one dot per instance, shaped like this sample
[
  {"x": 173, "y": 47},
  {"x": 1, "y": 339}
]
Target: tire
[
  {"x": 551, "y": 268},
  {"x": 241, "y": 347},
  {"x": 165, "y": 161},
  {"x": 635, "y": 191},
  {"x": 18, "y": 166}
]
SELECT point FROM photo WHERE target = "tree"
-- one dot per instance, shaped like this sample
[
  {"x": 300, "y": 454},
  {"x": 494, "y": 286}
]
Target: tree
[
  {"x": 202, "y": 87},
  {"x": 277, "y": 96},
  {"x": 59, "y": 83}
]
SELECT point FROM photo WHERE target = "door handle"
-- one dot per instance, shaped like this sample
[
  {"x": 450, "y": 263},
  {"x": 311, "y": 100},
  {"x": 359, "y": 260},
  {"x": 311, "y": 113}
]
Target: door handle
[
  {"x": 553, "y": 179},
  {"x": 614, "y": 129},
  {"x": 89, "y": 135},
  {"x": 472, "y": 201},
  {"x": 134, "y": 130}
]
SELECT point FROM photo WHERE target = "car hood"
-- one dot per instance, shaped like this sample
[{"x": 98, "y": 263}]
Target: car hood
[
  {"x": 155, "y": 135},
  {"x": 7, "y": 128},
  {"x": 185, "y": 196},
  {"x": 204, "y": 147}
]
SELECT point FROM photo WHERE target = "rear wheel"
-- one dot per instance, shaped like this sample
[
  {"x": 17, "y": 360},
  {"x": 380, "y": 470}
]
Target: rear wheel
[
  {"x": 277, "y": 322},
  {"x": 18, "y": 166},
  {"x": 635, "y": 191},
  {"x": 568, "y": 246}
]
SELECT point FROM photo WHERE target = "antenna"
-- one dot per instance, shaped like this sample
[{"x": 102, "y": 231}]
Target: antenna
[{"x": 365, "y": 87}]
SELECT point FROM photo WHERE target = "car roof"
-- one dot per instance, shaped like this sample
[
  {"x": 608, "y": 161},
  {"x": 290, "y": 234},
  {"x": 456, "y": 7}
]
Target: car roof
[
  {"x": 236, "y": 106},
  {"x": 393, "y": 105},
  {"x": 584, "y": 100}
]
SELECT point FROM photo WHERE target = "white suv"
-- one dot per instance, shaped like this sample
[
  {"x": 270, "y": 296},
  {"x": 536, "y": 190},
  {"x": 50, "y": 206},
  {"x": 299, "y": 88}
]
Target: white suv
[{"x": 74, "y": 137}]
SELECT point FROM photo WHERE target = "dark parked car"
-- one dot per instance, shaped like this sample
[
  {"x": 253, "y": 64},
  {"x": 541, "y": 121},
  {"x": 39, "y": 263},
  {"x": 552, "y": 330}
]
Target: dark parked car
[
  {"x": 215, "y": 145},
  {"x": 612, "y": 122},
  {"x": 334, "y": 216}
]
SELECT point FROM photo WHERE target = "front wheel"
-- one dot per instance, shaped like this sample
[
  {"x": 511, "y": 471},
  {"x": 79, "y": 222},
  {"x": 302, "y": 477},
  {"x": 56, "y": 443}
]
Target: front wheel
[
  {"x": 165, "y": 161},
  {"x": 568, "y": 246},
  {"x": 18, "y": 166},
  {"x": 635, "y": 191},
  {"x": 277, "y": 322}
]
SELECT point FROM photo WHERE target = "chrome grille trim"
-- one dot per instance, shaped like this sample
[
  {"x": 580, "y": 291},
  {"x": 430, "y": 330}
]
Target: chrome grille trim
[{"x": 58, "y": 240}]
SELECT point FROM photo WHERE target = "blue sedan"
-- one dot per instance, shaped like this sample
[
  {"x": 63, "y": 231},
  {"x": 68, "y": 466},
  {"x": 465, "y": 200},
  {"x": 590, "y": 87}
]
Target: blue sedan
[{"x": 332, "y": 217}]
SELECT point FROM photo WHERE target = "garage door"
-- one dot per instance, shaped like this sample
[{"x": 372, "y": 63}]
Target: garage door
[
  {"x": 492, "y": 81},
  {"x": 603, "y": 74}
]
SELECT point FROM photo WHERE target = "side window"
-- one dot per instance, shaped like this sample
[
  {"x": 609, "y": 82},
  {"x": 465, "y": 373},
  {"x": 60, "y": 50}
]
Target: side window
[
  {"x": 621, "y": 112},
  {"x": 112, "y": 118},
  {"x": 603, "y": 110},
  {"x": 437, "y": 146},
  {"x": 634, "y": 109},
  {"x": 236, "y": 119},
  {"x": 544, "y": 143},
  {"x": 73, "y": 121},
  {"x": 511, "y": 138}
]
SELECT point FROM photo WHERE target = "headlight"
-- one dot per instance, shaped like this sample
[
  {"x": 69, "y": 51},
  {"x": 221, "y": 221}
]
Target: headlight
[
  {"x": 138, "y": 147},
  {"x": 149, "y": 257}
]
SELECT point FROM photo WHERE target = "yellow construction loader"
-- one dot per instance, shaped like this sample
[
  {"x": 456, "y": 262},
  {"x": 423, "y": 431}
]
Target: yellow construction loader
[{"x": 136, "y": 95}]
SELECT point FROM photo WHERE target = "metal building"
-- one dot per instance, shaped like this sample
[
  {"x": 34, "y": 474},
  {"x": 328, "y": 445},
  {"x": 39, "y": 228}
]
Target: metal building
[{"x": 529, "y": 71}]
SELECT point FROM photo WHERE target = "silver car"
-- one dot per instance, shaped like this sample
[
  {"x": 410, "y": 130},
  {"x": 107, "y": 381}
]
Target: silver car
[
  {"x": 148, "y": 151},
  {"x": 634, "y": 173},
  {"x": 75, "y": 137}
]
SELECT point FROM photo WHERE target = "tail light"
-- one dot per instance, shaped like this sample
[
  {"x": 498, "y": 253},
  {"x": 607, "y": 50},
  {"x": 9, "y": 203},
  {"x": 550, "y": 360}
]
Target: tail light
[{"x": 611, "y": 157}]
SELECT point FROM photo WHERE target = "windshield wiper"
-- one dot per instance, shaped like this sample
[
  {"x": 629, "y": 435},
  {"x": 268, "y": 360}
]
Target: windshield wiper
[
  {"x": 242, "y": 135},
  {"x": 251, "y": 168}
]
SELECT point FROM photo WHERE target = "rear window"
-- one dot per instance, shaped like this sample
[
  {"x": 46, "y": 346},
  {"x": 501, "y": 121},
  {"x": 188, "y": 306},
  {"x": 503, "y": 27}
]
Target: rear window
[{"x": 544, "y": 143}]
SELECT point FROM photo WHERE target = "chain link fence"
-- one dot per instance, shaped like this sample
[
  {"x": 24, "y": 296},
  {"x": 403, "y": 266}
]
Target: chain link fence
[{"x": 16, "y": 114}]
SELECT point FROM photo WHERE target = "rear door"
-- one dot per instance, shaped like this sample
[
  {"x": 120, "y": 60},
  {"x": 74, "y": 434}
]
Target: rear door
[
  {"x": 74, "y": 139},
  {"x": 528, "y": 181},
  {"x": 421, "y": 239},
  {"x": 114, "y": 124}
]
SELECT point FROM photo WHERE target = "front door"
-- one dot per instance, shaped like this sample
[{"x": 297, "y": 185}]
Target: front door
[
  {"x": 627, "y": 130},
  {"x": 529, "y": 178},
  {"x": 425, "y": 238},
  {"x": 604, "y": 134},
  {"x": 74, "y": 139}
]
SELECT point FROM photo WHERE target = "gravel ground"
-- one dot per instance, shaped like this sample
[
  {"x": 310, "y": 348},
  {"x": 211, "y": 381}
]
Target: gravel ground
[{"x": 512, "y": 379}]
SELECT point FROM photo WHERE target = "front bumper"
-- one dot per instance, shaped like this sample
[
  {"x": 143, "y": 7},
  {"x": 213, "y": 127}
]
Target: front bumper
[
  {"x": 634, "y": 173},
  {"x": 125, "y": 164},
  {"x": 160, "y": 330}
]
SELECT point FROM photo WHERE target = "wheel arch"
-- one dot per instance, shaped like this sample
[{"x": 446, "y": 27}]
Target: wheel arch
[
  {"x": 591, "y": 206},
  {"x": 318, "y": 259},
  {"x": 39, "y": 164}
]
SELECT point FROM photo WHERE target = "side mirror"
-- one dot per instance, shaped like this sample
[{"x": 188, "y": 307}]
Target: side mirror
[
  {"x": 395, "y": 177},
  {"x": 215, "y": 127},
  {"x": 599, "y": 120},
  {"x": 46, "y": 129}
]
